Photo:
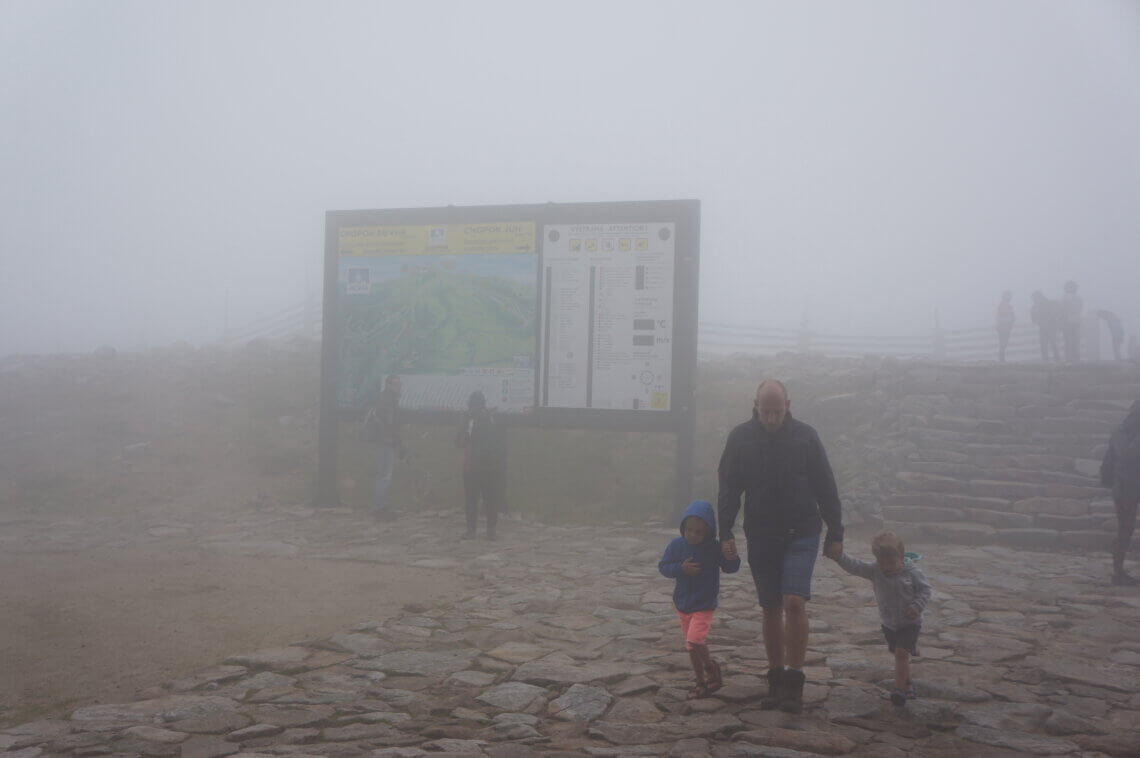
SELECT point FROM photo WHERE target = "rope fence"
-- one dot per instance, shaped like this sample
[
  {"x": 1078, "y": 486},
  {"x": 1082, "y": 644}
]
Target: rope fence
[{"x": 720, "y": 340}]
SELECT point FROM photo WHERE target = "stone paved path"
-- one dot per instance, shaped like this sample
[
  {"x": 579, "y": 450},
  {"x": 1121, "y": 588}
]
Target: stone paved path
[{"x": 572, "y": 648}]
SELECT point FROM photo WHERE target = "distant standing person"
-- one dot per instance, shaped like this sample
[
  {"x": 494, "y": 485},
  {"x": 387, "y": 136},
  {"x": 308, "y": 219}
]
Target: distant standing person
[
  {"x": 780, "y": 467},
  {"x": 1045, "y": 313},
  {"x": 483, "y": 438},
  {"x": 1071, "y": 307},
  {"x": 382, "y": 430},
  {"x": 1004, "y": 323},
  {"x": 1121, "y": 472},
  {"x": 1115, "y": 330}
]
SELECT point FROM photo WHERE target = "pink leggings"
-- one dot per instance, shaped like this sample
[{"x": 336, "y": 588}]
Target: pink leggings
[{"x": 695, "y": 627}]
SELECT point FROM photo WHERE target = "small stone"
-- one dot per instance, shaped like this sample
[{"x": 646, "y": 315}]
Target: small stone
[
  {"x": 809, "y": 741},
  {"x": 154, "y": 734},
  {"x": 580, "y": 703},
  {"x": 207, "y": 747},
  {"x": 254, "y": 731},
  {"x": 513, "y": 696}
]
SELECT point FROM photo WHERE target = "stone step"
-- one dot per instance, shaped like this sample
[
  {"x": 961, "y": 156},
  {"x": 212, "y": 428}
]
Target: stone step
[
  {"x": 1069, "y": 445},
  {"x": 997, "y": 519},
  {"x": 967, "y": 424},
  {"x": 956, "y": 470},
  {"x": 1068, "y": 425},
  {"x": 945, "y": 500},
  {"x": 915, "y": 514},
  {"x": 1032, "y": 538},
  {"x": 999, "y": 488},
  {"x": 1028, "y": 538},
  {"x": 1113, "y": 415},
  {"x": 1053, "y": 506},
  {"x": 1033, "y": 516},
  {"x": 957, "y": 532}
]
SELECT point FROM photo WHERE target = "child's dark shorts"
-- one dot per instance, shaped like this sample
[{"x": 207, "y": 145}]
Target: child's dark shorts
[{"x": 905, "y": 637}]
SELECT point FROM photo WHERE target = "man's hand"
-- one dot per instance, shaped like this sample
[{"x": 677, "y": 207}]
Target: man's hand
[
  {"x": 690, "y": 567},
  {"x": 728, "y": 549},
  {"x": 833, "y": 550},
  {"x": 910, "y": 613}
]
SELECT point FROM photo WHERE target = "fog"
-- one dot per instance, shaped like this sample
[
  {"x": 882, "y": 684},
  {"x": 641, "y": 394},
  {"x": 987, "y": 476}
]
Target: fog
[{"x": 166, "y": 167}]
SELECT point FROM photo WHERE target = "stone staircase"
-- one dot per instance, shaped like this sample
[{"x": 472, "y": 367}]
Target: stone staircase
[{"x": 1004, "y": 454}]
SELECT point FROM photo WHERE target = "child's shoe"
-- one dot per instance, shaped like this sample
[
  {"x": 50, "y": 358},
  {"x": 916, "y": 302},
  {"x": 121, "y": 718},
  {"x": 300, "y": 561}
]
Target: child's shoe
[
  {"x": 713, "y": 679},
  {"x": 697, "y": 660},
  {"x": 909, "y": 691},
  {"x": 898, "y": 697}
]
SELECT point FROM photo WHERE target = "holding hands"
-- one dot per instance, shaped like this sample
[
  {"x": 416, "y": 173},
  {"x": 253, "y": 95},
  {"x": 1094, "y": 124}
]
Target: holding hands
[
  {"x": 833, "y": 550},
  {"x": 728, "y": 549}
]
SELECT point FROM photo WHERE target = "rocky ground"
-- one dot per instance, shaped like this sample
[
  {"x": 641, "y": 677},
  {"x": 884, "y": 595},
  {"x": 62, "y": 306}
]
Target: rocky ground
[{"x": 568, "y": 644}]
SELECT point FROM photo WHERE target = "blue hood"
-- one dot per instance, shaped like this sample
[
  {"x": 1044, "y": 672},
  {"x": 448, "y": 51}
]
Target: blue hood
[{"x": 702, "y": 510}]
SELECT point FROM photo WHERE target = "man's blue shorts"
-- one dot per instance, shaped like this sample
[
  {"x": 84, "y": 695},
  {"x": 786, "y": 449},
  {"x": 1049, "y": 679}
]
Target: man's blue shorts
[{"x": 782, "y": 566}]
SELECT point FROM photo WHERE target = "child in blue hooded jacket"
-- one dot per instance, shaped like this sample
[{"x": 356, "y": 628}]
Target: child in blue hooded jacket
[{"x": 695, "y": 560}]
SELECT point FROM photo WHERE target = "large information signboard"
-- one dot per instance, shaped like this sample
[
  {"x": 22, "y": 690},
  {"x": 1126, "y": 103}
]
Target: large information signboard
[{"x": 574, "y": 315}]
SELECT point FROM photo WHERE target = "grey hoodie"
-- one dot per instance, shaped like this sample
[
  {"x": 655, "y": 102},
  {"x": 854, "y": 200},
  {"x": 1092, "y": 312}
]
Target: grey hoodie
[{"x": 895, "y": 593}]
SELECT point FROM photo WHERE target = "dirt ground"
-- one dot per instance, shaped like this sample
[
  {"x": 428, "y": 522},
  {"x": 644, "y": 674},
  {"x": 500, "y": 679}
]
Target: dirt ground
[
  {"x": 134, "y": 491},
  {"x": 99, "y": 625}
]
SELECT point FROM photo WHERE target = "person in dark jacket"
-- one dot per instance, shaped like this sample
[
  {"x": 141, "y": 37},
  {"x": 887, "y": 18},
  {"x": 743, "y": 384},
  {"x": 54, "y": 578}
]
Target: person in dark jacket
[
  {"x": 1120, "y": 471},
  {"x": 382, "y": 429},
  {"x": 780, "y": 467},
  {"x": 483, "y": 438},
  {"x": 695, "y": 560}
]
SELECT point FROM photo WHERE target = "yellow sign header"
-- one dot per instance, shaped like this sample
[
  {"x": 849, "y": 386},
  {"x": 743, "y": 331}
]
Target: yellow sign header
[{"x": 438, "y": 239}]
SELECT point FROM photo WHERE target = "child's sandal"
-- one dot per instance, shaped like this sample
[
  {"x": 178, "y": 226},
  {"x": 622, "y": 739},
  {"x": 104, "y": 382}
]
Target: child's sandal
[
  {"x": 714, "y": 679},
  {"x": 909, "y": 692},
  {"x": 697, "y": 692}
]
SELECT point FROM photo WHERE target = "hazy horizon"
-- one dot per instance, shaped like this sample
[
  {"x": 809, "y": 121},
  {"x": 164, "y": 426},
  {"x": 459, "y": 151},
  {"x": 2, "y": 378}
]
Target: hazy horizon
[{"x": 168, "y": 166}]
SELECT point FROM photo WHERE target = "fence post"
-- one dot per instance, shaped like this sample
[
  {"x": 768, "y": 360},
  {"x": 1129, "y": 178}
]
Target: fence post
[
  {"x": 803, "y": 340},
  {"x": 939, "y": 343}
]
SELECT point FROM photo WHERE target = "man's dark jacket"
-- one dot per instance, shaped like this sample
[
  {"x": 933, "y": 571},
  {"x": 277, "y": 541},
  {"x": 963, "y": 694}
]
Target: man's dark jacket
[
  {"x": 1120, "y": 469},
  {"x": 786, "y": 481}
]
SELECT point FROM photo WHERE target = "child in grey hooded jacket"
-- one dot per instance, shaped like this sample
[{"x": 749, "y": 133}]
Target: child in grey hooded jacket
[{"x": 902, "y": 593}]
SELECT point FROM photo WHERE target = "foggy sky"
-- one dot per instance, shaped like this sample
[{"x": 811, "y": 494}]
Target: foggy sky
[{"x": 166, "y": 166}]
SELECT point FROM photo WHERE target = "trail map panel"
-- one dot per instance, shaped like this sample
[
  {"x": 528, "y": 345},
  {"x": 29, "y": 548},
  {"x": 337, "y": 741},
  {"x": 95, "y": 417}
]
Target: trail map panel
[
  {"x": 607, "y": 319},
  {"x": 451, "y": 308}
]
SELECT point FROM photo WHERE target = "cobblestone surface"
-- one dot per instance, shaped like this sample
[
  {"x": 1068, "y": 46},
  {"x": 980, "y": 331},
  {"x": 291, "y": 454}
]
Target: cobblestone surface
[{"x": 572, "y": 647}]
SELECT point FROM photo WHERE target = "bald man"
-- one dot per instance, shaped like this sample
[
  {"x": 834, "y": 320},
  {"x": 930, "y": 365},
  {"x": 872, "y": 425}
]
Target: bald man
[{"x": 778, "y": 463}]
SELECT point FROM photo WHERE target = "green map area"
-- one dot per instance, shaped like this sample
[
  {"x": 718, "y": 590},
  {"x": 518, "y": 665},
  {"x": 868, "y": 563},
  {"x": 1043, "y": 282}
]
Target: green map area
[{"x": 433, "y": 322}]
